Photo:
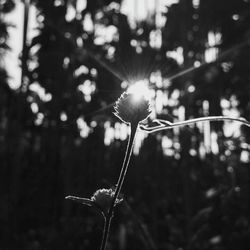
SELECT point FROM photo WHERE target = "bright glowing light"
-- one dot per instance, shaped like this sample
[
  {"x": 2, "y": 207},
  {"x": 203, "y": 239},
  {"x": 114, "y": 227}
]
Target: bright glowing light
[{"x": 139, "y": 89}]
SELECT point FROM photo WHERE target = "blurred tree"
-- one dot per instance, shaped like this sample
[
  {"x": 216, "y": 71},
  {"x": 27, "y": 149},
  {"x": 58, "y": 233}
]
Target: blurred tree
[{"x": 6, "y": 96}]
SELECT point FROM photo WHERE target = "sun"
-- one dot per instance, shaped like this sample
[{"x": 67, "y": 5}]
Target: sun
[{"x": 140, "y": 90}]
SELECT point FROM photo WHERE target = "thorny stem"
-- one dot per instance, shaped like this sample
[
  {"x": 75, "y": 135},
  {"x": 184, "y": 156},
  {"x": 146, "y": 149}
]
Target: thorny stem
[
  {"x": 109, "y": 215},
  {"x": 163, "y": 124}
]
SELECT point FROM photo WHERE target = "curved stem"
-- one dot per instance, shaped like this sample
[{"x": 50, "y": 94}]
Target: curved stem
[
  {"x": 108, "y": 217},
  {"x": 162, "y": 124}
]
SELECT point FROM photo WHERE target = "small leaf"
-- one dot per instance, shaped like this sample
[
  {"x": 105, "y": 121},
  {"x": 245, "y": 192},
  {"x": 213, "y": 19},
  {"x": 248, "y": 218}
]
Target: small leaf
[{"x": 83, "y": 201}]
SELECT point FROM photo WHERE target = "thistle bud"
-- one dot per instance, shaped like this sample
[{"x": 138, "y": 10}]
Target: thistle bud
[
  {"x": 131, "y": 110},
  {"x": 103, "y": 199}
]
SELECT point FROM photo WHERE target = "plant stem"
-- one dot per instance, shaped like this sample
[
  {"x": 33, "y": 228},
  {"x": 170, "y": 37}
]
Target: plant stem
[
  {"x": 109, "y": 215},
  {"x": 107, "y": 222},
  {"x": 168, "y": 125},
  {"x": 211, "y": 118}
]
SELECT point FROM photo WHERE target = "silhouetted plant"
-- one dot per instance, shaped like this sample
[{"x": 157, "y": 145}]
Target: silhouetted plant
[{"x": 133, "y": 110}]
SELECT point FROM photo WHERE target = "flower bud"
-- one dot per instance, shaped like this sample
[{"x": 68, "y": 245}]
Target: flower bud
[
  {"x": 103, "y": 198},
  {"x": 131, "y": 110}
]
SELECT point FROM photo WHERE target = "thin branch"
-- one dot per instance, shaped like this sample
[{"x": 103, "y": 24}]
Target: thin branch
[{"x": 163, "y": 124}]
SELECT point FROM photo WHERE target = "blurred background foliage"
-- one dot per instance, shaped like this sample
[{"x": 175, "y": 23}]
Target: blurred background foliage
[{"x": 186, "y": 189}]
